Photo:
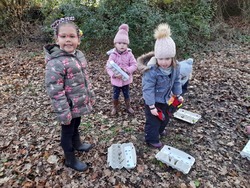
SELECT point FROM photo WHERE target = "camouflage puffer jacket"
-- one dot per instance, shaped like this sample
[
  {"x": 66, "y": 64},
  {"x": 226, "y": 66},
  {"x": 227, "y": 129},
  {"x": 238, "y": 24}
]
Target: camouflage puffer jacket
[{"x": 67, "y": 83}]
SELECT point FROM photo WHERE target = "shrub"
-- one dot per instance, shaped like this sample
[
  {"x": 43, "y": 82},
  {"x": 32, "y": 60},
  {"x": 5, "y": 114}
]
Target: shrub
[
  {"x": 140, "y": 17},
  {"x": 190, "y": 22}
]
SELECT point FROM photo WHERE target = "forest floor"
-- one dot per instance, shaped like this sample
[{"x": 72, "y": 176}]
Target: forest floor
[{"x": 29, "y": 136}]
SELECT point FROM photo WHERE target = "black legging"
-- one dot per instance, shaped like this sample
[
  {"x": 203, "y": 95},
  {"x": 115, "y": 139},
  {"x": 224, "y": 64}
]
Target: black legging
[{"x": 68, "y": 132}]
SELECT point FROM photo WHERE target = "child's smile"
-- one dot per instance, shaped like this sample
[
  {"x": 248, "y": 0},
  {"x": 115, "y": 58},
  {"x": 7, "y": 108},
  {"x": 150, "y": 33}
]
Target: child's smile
[{"x": 67, "y": 38}]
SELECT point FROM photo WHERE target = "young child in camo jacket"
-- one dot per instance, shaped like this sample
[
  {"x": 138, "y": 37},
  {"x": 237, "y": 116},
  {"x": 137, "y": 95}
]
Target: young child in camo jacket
[
  {"x": 125, "y": 59},
  {"x": 69, "y": 87}
]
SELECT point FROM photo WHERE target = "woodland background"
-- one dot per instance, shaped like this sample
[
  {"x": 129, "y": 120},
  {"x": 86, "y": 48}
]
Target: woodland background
[{"x": 216, "y": 33}]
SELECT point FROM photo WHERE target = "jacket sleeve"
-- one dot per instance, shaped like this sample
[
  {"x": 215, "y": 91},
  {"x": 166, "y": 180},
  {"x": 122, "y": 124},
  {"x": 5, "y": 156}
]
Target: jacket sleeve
[
  {"x": 109, "y": 71},
  {"x": 177, "y": 86},
  {"x": 91, "y": 92},
  {"x": 54, "y": 82},
  {"x": 148, "y": 87},
  {"x": 132, "y": 64}
]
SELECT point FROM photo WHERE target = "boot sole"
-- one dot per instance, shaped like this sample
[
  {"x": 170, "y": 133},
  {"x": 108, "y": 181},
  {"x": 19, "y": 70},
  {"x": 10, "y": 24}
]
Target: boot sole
[
  {"x": 87, "y": 150},
  {"x": 79, "y": 170},
  {"x": 152, "y": 146}
]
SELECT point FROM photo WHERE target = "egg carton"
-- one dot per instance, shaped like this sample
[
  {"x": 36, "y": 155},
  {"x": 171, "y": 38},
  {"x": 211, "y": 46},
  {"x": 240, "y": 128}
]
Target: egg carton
[
  {"x": 187, "y": 116},
  {"x": 122, "y": 155},
  {"x": 246, "y": 151},
  {"x": 175, "y": 158},
  {"x": 117, "y": 70}
]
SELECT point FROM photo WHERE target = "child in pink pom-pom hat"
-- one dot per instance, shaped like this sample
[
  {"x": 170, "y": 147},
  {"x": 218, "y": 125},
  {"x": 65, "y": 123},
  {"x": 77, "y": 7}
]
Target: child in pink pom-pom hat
[{"x": 125, "y": 59}]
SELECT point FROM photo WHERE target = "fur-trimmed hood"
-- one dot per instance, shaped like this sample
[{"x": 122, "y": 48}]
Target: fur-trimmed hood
[{"x": 145, "y": 61}]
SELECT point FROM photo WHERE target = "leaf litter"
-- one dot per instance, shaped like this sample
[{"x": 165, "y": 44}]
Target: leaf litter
[{"x": 30, "y": 136}]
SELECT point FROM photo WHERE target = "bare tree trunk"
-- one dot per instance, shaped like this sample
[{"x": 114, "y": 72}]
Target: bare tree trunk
[{"x": 219, "y": 4}]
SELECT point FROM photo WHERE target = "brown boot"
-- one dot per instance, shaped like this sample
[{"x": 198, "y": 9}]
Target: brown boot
[
  {"x": 115, "y": 107},
  {"x": 128, "y": 107}
]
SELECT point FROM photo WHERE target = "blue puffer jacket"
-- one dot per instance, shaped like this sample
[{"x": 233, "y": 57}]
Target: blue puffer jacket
[{"x": 157, "y": 86}]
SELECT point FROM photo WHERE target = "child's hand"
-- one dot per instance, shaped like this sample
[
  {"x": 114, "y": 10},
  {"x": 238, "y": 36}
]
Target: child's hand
[
  {"x": 92, "y": 101},
  {"x": 154, "y": 112},
  {"x": 66, "y": 123},
  {"x": 125, "y": 70},
  {"x": 247, "y": 130},
  {"x": 117, "y": 76},
  {"x": 181, "y": 99}
]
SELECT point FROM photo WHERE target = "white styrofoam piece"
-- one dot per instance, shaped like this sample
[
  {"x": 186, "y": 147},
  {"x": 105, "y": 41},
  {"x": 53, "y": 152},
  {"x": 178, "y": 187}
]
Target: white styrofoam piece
[
  {"x": 187, "y": 116},
  {"x": 246, "y": 151},
  {"x": 116, "y": 69},
  {"x": 175, "y": 158},
  {"x": 122, "y": 155}
]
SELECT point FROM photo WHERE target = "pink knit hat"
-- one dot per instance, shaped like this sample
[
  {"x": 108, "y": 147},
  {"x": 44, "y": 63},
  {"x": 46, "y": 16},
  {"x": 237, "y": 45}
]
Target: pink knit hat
[
  {"x": 164, "y": 44},
  {"x": 122, "y": 34}
]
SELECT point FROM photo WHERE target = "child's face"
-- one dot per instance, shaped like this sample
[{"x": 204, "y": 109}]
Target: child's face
[
  {"x": 164, "y": 62},
  {"x": 121, "y": 47},
  {"x": 67, "y": 38}
]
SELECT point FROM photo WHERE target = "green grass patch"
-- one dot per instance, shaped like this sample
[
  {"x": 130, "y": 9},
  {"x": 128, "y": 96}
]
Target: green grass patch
[{"x": 128, "y": 129}]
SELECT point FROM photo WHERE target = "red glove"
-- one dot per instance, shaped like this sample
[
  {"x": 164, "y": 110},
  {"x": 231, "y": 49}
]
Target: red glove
[
  {"x": 176, "y": 103},
  {"x": 161, "y": 116}
]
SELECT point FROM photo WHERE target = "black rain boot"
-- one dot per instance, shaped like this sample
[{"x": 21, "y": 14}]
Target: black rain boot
[
  {"x": 72, "y": 162},
  {"x": 81, "y": 146}
]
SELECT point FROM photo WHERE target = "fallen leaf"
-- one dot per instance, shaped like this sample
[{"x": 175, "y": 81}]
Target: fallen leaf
[{"x": 52, "y": 159}]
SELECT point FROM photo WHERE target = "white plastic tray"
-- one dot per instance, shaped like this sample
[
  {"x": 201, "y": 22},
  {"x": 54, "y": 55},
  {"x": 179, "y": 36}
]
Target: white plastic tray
[
  {"x": 175, "y": 158},
  {"x": 122, "y": 155},
  {"x": 246, "y": 151},
  {"x": 187, "y": 116}
]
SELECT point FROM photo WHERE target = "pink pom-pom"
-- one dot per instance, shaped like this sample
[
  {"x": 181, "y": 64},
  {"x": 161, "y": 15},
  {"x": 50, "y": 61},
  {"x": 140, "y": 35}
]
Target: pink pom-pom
[{"x": 124, "y": 27}]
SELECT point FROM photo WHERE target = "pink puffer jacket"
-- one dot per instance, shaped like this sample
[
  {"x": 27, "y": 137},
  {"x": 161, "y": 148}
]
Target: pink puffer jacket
[{"x": 127, "y": 62}]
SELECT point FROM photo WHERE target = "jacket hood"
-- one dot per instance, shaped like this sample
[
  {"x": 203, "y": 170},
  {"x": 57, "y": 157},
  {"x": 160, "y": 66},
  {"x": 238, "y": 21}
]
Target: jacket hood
[
  {"x": 53, "y": 51},
  {"x": 145, "y": 61}
]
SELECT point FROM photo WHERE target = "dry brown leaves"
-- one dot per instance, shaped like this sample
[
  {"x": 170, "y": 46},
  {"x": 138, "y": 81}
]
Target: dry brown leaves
[{"x": 29, "y": 137}]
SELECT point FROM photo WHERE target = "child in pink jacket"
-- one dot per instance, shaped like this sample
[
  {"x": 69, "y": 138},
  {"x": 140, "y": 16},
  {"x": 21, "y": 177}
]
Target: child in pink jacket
[{"x": 125, "y": 59}]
